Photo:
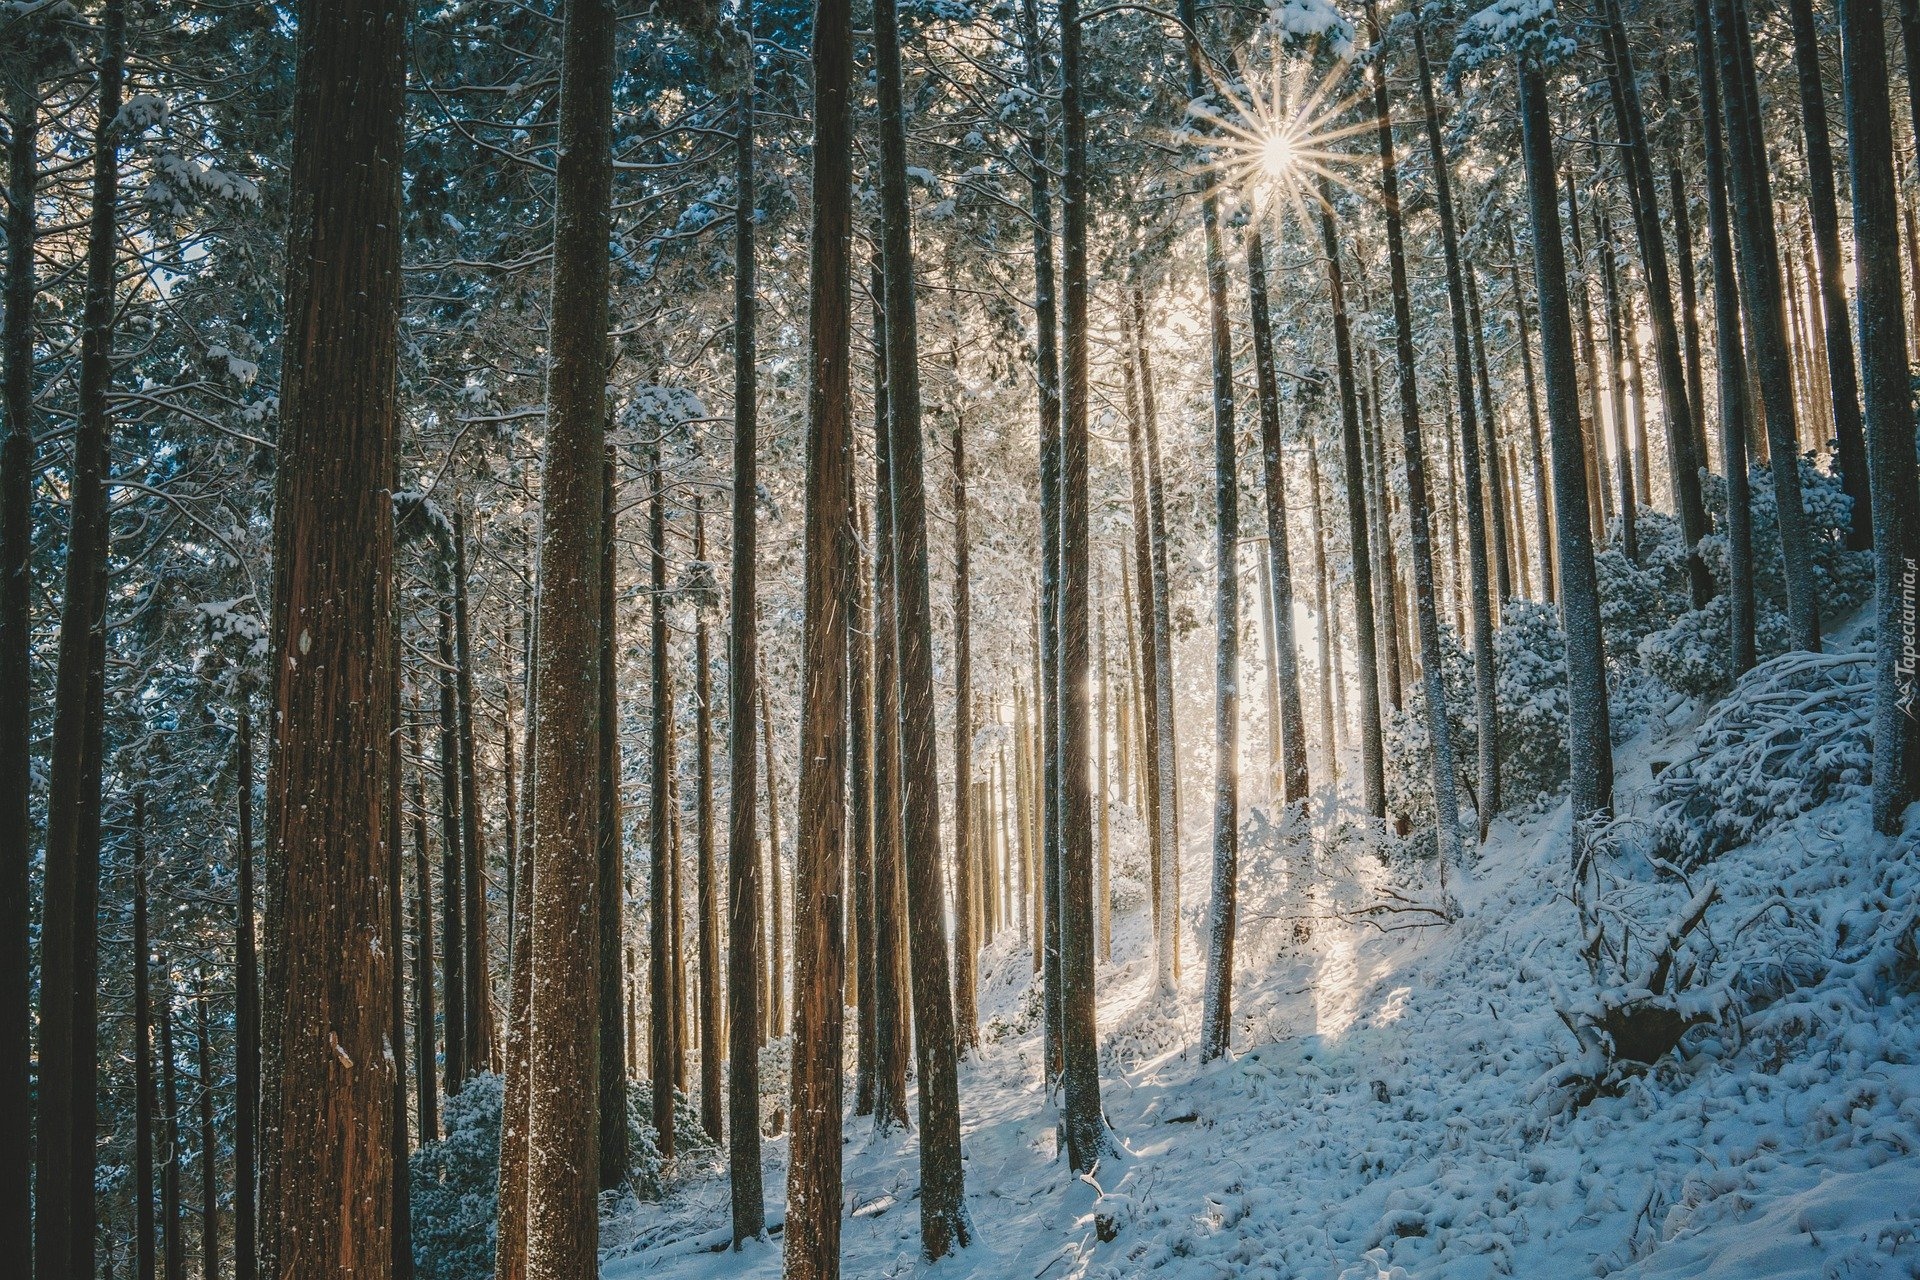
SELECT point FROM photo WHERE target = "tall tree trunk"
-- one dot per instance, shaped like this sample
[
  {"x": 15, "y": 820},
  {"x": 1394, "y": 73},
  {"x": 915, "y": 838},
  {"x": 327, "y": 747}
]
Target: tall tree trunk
[
  {"x": 143, "y": 1099},
  {"x": 1589, "y": 749},
  {"x": 814, "y": 1196},
  {"x": 1323, "y": 620},
  {"x": 890, "y": 1025},
  {"x": 473, "y": 858},
  {"x": 1373, "y": 784},
  {"x": 16, "y": 671},
  {"x": 453, "y": 894},
  {"x": 610, "y": 855},
  {"x": 1216, "y": 1006},
  {"x": 1446, "y": 806},
  {"x": 397, "y": 973},
  {"x": 424, "y": 1054},
  {"x": 663, "y": 904},
  {"x": 563, "y": 1005},
  {"x": 706, "y": 886},
  {"x": 510, "y": 1240},
  {"x": 66, "y": 1215},
  {"x": 776, "y": 889},
  {"x": 1596, "y": 463},
  {"x": 1623, "y": 460},
  {"x": 1883, "y": 342},
  {"x": 1543, "y": 514},
  {"x": 862, "y": 731},
  {"x": 743, "y": 784},
  {"x": 1676, "y": 403},
  {"x": 966, "y": 899},
  {"x": 329, "y": 1201},
  {"x": 209, "y": 1143},
  {"x": 173, "y": 1243},
  {"x": 1159, "y": 819},
  {"x": 246, "y": 1016},
  {"x": 1292, "y": 726},
  {"x": 1506, "y": 566},
  {"x": 1487, "y": 802},
  {"x": 1759, "y": 263},
  {"x": 944, "y": 1225},
  {"x": 1086, "y": 1136},
  {"x": 1166, "y": 731},
  {"x": 1823, "y": 210}
]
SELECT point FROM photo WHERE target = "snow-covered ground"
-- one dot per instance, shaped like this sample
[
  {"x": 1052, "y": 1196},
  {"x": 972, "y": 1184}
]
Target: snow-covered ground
[{"x": 1391, "y": 1109}]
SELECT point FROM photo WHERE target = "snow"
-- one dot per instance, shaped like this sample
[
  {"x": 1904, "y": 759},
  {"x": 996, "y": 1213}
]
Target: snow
[{"x": 1404, "y": 1097}]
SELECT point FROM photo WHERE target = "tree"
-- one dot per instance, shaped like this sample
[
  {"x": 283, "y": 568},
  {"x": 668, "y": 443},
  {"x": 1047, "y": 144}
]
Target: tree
[
  {"x": 743, "y": 857},
  {"x": 943, "y": 1217},
  {"x": 967, "y": 907},
  {"x": 329, "y": 1199},
  {"x": 473, "y": 857},
  {"x": 1487, "y": 802},
  {"x": 563, "y": 1085},
  {"x": 1758, "y": 257},
  {"x": 706, "y": 888},
  {"x": 610, "y": 855},
  {"x": 813, "y": 1173},
  {"x": 663, "y": 1043},
  {"x": 1889, "y": 411},
  {"x": 1589, "y": 748},
  {"x": 65, "y": 1213},
  {"x": 143, "y": 1099},
  {"x": 1080, "y": 1052},
  {"x": 1217, "y": 998}
]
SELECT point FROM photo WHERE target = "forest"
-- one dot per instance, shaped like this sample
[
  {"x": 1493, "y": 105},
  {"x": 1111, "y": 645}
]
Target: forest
[{"x": 1056, "y": 639}]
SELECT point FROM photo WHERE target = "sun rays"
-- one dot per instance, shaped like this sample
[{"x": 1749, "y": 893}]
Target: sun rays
[{"x": 1278, "y": 131}]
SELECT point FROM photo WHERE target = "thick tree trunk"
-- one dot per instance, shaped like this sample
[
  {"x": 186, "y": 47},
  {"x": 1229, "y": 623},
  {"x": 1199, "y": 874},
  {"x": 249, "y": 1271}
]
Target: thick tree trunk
[
  {"x": 812, "y": 1235},
  {"x": 743, "y": 784},
  {"x": 610, "y": 855},
  {"x": 862, "y": 730},
  {"x": 944, "y": 1225},
  {"x": 1373, "y": 786},
  {"x": 1487, "y": 802},
  {"x": 1759, "y": 263},
  {"x": 1446, "y": 806},
  {"x": 1589, "y": 749},
  {"x": 890, "y": 1025},
  {"x": 563, "y": 1078},
  {"x": 16, "y": 672},
  {"x": 663, "y": 904},
  {"x": 66, "y": 1214},
  {"x": 1292, "y": 727},
  {"x": 1086, "y": 1137},
  {"x": 1889, "y": 417},
  {"x": 330, "y": 1199}
]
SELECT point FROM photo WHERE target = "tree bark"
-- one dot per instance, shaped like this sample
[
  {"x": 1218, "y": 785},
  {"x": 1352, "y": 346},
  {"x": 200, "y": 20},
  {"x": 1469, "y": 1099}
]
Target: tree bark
[
  {"x": 610, "y": 855},
  {"x": 1759, "y": 262},
  {"x": 473, "y": 856},
  {"x": 246, "y": 1017},
  {"x": 173, "y": 1244},
  {"x": 453, "y": 894},
  {"x": 563, "y": 1079},
  {"x": 1086, "y": 1136},
  {"x": 1373, "y": 786},
  {"x": 812, "y": 1234},
  {"x": 1889, "y": 416},
  {"x": 776, "y": 889},
  {"x": 944, "y": 1225},
  {"x": 16, "y": 671},
  {"x": 66, "y": 1213},
  {"x": 743, "y": 784},
  {"x": 1446, "y": 806},
  {"x": 1543, "y": 514},
  {"x": 966, "y": 899},
  {"x": 209, "y": 1143},
  {"x": 424, "y": 1053},
  {"x": 330, "y": 1199},
  {"x": 1589, "y": 749},
  {"x": 1487, "y": 802},
  {"x": 663, "y": 1048},
  {"x": 143, "y": 1099},
  {"x": 706, "y": 886}
]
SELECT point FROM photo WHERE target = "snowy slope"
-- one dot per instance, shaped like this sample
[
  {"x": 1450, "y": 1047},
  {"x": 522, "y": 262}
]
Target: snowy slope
[{"x": 1389, "y": 1109}]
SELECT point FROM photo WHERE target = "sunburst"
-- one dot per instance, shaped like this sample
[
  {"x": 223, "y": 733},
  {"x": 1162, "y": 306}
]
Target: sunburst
[{"x": 1277, "y": 137}]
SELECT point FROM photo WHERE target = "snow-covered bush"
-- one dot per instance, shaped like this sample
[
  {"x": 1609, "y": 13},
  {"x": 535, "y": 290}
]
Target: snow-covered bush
[
  {"x": 646, "y": 1172},
  {"x": 1530, "y": 705},
  {"x": 455, "y": 1188},
  {"x": 1793, "y": 732},
  {"x": 1689, "y": 650}
]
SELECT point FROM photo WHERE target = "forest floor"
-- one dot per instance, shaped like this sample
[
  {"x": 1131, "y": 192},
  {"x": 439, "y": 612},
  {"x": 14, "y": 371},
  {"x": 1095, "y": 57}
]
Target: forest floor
[{"x": 1396, "y": 1102}]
